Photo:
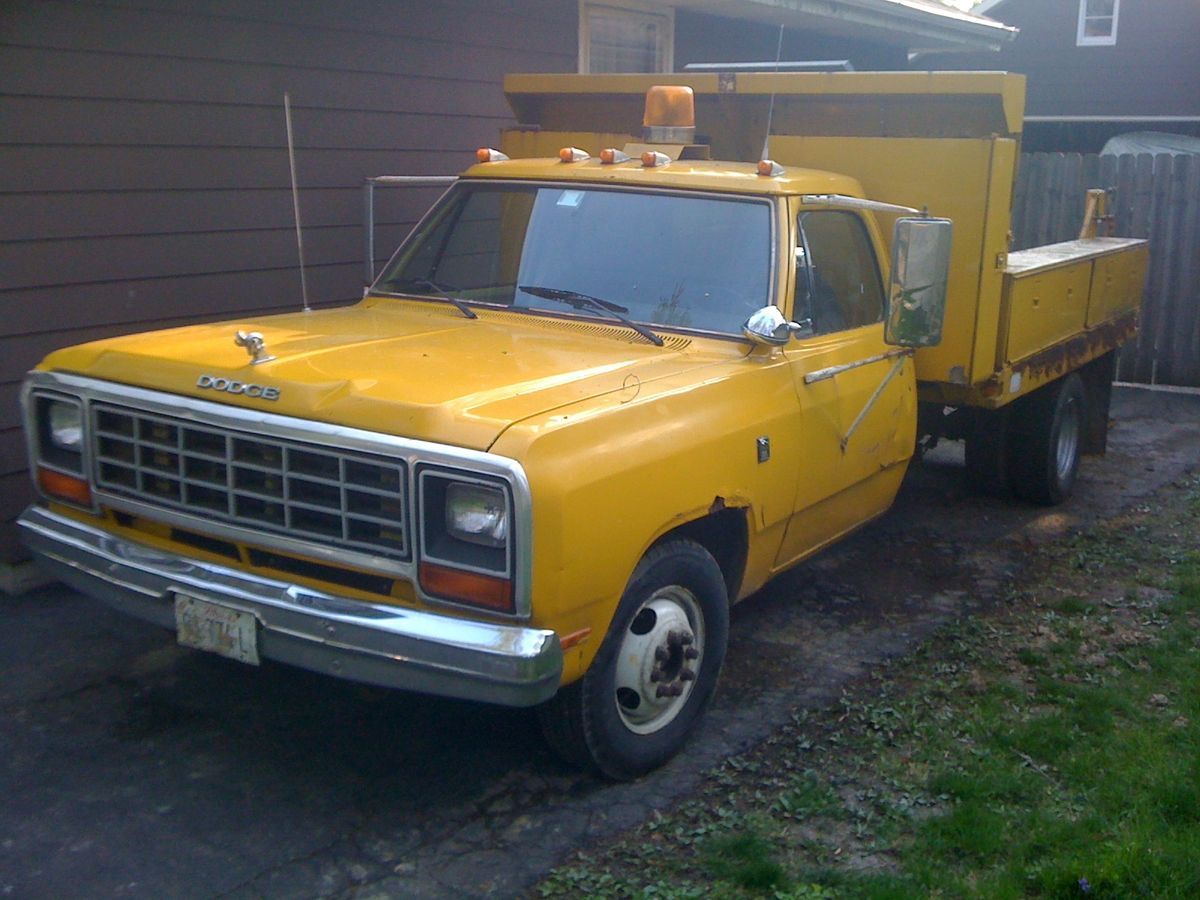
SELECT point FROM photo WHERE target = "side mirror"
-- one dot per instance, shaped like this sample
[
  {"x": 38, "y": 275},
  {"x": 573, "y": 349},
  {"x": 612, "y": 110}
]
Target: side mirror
[
  {"x": 920, "y": 270},
  {"x": 768, "y": 327}
]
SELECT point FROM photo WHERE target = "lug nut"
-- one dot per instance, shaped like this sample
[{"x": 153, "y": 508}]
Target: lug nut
[
  {"x": 662, "y": 654},
  {"x": 687, "y": 675},
  {"x": 691, "y": 653},
  {"x": 686, "y": 638},
  {"x": 656, "y": 674}
]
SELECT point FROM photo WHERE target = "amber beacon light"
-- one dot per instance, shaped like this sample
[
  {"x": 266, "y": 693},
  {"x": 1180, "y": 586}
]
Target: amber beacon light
[{"x": 670, "y": 115}]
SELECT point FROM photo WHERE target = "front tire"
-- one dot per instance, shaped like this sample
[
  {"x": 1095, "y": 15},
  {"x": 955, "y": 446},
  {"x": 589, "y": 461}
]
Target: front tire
[
  {"x": 655, "y": 671},
  {"x": 1045, "y": 446}
]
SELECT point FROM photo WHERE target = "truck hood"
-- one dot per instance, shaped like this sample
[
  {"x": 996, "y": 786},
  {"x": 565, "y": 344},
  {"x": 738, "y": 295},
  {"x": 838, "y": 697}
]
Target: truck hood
[{"x": 410, "y": 368}]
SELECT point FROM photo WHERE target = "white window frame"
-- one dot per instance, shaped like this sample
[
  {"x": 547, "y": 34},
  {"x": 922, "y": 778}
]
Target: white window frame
[
  {"x": 633, "y": 8},
  {"x": 1082, "y": 39}
]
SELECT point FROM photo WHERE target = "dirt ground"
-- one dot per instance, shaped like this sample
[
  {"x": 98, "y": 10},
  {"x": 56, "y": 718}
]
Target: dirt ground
[{"x": 133, "y": 768}]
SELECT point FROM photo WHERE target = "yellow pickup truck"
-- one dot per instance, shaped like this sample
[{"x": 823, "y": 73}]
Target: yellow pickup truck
[{"x": 609, "y": 386}]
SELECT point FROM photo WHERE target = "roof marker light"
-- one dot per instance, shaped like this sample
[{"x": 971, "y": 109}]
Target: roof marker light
[
  {"x": 573, "y": 154},
  {"x": 652, "y": 159},
  {"x": 768, "y": 167},
  {"x": 487, "y": 154},
  {"x": 610, "y": 156}
]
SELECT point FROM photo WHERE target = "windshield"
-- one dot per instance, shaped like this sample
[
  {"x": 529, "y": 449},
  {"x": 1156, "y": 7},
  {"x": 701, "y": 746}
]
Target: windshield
[{"x": 694, "y": 262}]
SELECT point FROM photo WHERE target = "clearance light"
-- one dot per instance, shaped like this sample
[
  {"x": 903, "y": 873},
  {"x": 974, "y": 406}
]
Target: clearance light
[
  {"x": 467, "y": 587},
  {"x": 487, "y": 154},
  {"x": 573, "y": 154},
  {"x": 610, "y": 156},
  {"x": 652, "y": 159},
  {"x": 670, "y": 106},
  {"x": 65, "y": 487},
  {"x": 769, "y": 168}
]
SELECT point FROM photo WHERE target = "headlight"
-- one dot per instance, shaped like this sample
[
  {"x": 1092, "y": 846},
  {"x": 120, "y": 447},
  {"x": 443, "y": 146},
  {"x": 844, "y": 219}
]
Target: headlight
[
  {"x": 465, "y": 528},
  {"x": 477, "y": 514},
  {"x": 64, "y": 424}
]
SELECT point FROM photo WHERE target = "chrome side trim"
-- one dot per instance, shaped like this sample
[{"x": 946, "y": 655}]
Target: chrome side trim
[
  {"x": 373, "y": 643},
  {"x": 413, "y": 452},
  {"x": 825, "y": 374}
]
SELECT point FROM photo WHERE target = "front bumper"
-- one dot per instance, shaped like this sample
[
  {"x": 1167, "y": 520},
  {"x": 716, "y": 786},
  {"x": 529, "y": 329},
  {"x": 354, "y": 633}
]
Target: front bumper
[{"x": 353, "y": 639}]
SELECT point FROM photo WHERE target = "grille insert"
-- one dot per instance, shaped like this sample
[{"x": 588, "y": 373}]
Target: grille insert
[{"x": 302, "y": 490}]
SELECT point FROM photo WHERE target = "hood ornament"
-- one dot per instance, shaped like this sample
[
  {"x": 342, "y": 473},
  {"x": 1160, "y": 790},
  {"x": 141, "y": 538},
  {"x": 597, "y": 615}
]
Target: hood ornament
[{"x": 255, "y": 346}]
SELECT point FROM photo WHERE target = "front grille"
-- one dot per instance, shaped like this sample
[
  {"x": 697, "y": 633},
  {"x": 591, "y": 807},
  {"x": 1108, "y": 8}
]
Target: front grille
[{"x": 305, "y": 491}]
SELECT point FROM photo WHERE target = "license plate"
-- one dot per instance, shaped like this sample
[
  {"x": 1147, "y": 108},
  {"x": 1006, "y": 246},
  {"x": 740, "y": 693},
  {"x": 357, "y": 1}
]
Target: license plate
[{"x": 217, "y": 629}]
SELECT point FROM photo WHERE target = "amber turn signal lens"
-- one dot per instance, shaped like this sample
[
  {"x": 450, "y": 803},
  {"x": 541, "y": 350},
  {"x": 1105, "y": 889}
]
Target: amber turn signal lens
[
  {"x": 768, "y": 167},
  {"x": 487, "y": 154},
  {"x": 65, "y": 487},
  {"x": 652, "y": 159},
  {"x": 572, "y": 154},
  {"x": 486, "y": 591},
  {"x": 673, "y": 106},
  {"x": 611, "y": 155}
]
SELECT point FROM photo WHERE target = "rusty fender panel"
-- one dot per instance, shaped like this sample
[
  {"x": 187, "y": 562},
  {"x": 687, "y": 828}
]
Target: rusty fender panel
[
  {"x": 1036, "y": 370},
  {"x": 1071, "y": 354}
]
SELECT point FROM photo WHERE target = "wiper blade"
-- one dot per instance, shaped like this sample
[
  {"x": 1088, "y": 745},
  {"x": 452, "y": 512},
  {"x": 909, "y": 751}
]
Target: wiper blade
[
  {"x": 424, "y": 285},
  {"x": 586, "y": 301}
]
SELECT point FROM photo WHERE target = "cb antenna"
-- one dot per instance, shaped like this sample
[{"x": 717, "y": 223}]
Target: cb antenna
[
  {"x": 766, "y": 154},
  {"x": 287, "y": 114}
]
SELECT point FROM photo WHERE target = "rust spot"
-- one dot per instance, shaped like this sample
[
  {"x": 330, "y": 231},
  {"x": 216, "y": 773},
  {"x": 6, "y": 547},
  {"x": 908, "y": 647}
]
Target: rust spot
[
  {"x": 1070, "y": 355},
  {"x": 718, "y": 504}
]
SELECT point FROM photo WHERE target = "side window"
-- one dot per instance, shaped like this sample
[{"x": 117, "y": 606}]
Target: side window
[{"x": 837, "y": 277}]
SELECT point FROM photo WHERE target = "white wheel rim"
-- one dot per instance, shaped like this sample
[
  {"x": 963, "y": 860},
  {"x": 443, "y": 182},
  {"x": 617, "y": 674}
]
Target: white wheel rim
[
  {"x": 659, "y": 659},
  {"x": 1068, "y": 441}
]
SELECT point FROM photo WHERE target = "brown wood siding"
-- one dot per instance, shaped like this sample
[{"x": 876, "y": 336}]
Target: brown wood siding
[
  {"x": 143, "y": 164},
  {"x": 1152, "y": 70}
]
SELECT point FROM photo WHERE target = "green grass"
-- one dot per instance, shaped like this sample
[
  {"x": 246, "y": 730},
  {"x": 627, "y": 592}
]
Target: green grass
[{"x": 1049, "y": 751}]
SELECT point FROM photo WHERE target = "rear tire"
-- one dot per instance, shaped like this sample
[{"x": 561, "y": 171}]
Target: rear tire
[
  {"x": 1045, "y": 443},
  {"x": 655, "y": 671}
]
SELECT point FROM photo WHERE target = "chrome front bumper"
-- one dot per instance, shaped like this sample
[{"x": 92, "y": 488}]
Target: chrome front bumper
[{"x": 353, "y": 639}]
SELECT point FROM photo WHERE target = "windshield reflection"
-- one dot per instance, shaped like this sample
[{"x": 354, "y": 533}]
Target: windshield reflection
[{"x": 691, "y": 262}]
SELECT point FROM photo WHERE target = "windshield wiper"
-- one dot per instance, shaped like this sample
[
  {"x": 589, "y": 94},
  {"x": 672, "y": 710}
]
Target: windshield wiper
[
  {"x": 424, "y": 285},
  {"x": 585, "y": 301}
]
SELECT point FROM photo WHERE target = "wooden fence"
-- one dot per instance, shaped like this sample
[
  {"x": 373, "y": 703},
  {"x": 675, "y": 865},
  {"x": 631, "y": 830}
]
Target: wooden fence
[{"x": 1155, "y": 197}]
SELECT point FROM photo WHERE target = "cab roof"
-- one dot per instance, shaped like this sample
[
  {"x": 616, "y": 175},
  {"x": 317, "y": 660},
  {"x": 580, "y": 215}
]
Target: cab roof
[{"x": 684, "y": 174}]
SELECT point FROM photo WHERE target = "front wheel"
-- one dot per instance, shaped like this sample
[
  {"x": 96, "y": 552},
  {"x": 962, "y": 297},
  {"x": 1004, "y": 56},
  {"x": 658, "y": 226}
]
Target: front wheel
[{"x": 655, "y": 671}]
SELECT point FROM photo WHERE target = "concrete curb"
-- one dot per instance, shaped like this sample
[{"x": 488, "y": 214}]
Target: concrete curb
[{"x": 1158, "y": 388}]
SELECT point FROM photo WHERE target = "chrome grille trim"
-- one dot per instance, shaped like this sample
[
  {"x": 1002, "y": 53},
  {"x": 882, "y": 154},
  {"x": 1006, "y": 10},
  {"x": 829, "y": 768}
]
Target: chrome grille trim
[
  {"x": 291, "y": 487},
  {"x": 309, "y": 431}
]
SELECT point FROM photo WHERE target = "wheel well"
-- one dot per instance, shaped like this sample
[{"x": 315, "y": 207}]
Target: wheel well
[{"x": 725, "y": 534}]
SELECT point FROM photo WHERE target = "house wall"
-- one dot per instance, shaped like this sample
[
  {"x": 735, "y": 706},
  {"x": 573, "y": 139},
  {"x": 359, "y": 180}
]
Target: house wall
[
  {"x": 1152, "y": 70},
  {"x": 143, "y": 162}
]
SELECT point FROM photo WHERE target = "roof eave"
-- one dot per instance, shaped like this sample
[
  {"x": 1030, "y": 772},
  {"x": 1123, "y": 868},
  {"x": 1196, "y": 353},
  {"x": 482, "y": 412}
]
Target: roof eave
[{"x": 893, "y": 22}]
